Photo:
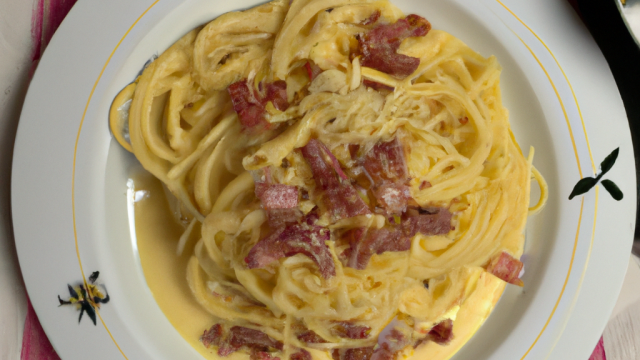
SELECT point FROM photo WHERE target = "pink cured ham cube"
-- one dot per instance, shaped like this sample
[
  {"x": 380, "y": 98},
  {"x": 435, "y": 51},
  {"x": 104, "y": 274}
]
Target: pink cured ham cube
[
  {"x": 507, "y": 268},
  {"x": 280, "y": 203}
]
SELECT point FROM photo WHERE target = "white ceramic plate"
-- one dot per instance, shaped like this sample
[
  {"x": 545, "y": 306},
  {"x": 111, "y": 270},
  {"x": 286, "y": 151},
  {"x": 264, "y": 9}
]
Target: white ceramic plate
[
  {"x": 631, "y": 15},
  {"x": 69, "y": 193}
]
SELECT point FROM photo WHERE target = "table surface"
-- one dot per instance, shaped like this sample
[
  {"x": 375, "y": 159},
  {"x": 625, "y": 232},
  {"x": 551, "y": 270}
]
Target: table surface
[{"x": 21, "y": 47}]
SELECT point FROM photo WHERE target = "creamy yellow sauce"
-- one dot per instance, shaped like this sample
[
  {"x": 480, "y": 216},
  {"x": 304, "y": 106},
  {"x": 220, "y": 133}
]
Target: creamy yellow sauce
[{"x": 157, "y": 233}]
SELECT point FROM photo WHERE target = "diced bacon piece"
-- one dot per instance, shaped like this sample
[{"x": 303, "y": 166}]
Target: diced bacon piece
[
  {"x": 302, "y": 354},
  {"x": 376, "y": 85},
  {"x": 377, "y": 241},
  {"x": 507, "y": 268},
  {"x": 386, "y": 168},
  {"x": 364, "y": 353},
  {"x": 247, "y": 104},
  {"x": 303, "y": 238},
  {"x": 250, "y": 105},
  {"x": 371, "y": 19},
  {"x": 365, "y": 243},
  {"x": 442, "y": 333},
  {"x": 226, "y": 349},
  {"x": 463, "y": 120},
  {"x": 436, "y": 223},
  {"x": 310, "y": 337},
  {"x": 277, "y": 196},
  {"x": 335, "y": 354},
  {"x": 279, "y": 201},
  {"x": 241, "y": 336},
  {"x": 261, "y": 355},
  {"x": 237, "y": 338},
  {"x": 333, "y": 187},
  {"x": 213, "y": 336},
  {"x": 386, "y": 162},
  {"x": 281, "y": 217},
  {"x": 378, "y": 47},
  {"x": 277, "y": 94},
  {"x": 392, "y": 343},
  {"x": 313, "y": 70},
  {"x": 383, "y": 352},
  {"x": 323, "y": 163},
  {"x": 393, "y": 197},
  {"x": 349, "y": 330}
]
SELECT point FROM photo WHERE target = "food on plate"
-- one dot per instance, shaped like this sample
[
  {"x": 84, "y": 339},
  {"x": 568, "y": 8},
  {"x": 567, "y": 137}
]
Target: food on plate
[{"x": 349, "y": 174}]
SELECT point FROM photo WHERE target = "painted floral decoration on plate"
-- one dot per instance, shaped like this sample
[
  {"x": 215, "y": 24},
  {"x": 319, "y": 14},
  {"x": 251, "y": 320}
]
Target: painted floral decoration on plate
[{"x": 87, "y": 297}]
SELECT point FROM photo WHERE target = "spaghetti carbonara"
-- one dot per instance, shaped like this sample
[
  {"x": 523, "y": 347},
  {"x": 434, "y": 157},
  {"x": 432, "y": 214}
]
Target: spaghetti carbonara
[{"x": 349, "y": 173}]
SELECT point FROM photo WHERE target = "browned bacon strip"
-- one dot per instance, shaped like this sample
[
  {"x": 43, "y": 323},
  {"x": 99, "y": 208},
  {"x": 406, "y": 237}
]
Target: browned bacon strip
[
  {"x": 437, "y": 221},
  {"x": 303, "y": 238},
  {"x": 241, "y": 336},
  {"x": 333, "y": 187},
  {"x": 250, "y": 105},
  {"x": 507, "y": 268},
  {"x": 366, "y": 243},
  {"x": 348, "y": 330},
  {"x": 378, "y": 47}
]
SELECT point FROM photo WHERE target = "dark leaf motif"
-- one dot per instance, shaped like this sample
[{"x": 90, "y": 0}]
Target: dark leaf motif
[
  {"x": 613, "y": 189},
  {"x": 608, "y": 162},
  {"x": 86, "y": 297},
  {"x": 94, "y": 277},
  {"x": 586, "y": 184},
  {"x": 104, "y": 300},
  {"x": 86, "y": 306},
  {"x": 63, "y": 302},
  {"x": 72, "y": 292},
  {"x": 83, "y": 292},
  {"x": 583, "y": 186}
]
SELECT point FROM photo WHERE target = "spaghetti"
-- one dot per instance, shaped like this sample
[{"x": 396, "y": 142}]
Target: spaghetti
[{"x": 350, "y": 174}]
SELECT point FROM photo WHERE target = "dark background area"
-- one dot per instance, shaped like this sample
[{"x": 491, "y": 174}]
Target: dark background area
[{"x": 607, "y": 27}]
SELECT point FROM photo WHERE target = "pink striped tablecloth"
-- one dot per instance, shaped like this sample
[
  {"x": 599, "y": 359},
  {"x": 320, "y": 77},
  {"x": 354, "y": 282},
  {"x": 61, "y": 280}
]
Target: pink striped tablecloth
[{"x": 46, "y": 17}]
